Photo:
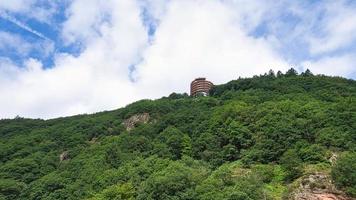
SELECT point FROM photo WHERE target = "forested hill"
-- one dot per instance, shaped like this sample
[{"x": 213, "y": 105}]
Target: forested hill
[{"x": 282, "y": 136}]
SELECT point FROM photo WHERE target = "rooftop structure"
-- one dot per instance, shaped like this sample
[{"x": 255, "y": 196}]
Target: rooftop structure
[{"x": 200, "y": 86}]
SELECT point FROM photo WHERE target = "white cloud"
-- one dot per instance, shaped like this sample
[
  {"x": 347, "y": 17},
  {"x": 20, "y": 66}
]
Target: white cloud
[
  {"x": 84, "y": 20},
  {"x": 324, "y": 26},
  {"x": 41, "y": 10},
  {"x": 8, "y": 71},
  {"x": 95, "y": 80},
  {"x": 155, "y": 8},
  {"x": 344, "y": 65},
  {"x": 193, "y": 38},
  {"x": 14, "y": 43},
  {"x": 338, "y": 28},
  {"x": 201, "y": 38},
  {"x": 16, "y": 5}
]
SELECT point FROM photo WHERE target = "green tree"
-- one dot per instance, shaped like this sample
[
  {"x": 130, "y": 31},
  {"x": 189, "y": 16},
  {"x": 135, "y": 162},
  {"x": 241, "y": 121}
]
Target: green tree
[
  {"x": 271, "y": 73},
  {"x": 279, "y": 74},
  {"x": 177, "y": 181},
  {"x": 191, "y": 148},
  {"x": 124, "y": 191},
  {"x": 186, "y": 146},
  {"x": 343, "y": 173},
  {"x": 11, "y": 189},
  {"x": 291, "y": 163},
  {"x": 175, "y": 141},
  {"x": 307, "y": 73},
  {"x": 114, "y": 155},
  {"x": 291, "y": 72}
]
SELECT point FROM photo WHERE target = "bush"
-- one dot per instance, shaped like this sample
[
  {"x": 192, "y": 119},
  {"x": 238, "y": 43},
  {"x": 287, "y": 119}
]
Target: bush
[
  {"x": 344, "y": 173},
  {"x": 291, "y": 163}
]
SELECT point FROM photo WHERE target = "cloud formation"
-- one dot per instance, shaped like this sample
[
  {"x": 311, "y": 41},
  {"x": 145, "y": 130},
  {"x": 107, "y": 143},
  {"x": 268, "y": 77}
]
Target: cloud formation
[
  {"x": 41, "y": 10},
  {"x": 22, "y": 25},
  {"x": 208, "y": 43},
  {"x": 131, "y": 50}
]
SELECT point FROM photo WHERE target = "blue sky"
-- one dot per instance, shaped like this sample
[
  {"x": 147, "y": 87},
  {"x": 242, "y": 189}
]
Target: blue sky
[
  {"x": 60, "y": 58},
  {"x": 33, "y": 30}
]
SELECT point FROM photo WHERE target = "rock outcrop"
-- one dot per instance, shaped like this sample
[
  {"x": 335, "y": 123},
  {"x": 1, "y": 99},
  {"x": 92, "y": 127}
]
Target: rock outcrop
[
  {"x": 131, "y": 122},
  {"x": 64, "y": 156},
  {"x": 333, "y": 158},
  {"x": 317, "y": 186}
]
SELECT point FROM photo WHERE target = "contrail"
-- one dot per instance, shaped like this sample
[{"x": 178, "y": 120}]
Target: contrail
[{"x": 22, "y": 25}]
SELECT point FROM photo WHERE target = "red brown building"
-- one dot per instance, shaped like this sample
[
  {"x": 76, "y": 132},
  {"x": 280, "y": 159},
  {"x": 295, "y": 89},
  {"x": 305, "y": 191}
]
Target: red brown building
[{"x": 200, "y": 86}]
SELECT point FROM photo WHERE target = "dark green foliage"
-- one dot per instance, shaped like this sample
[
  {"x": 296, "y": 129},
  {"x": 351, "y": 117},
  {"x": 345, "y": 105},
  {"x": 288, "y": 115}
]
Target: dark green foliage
[
  {"x": 176, "y": 181},
  {"x": 10, "y": 189},
  {"x": 291, "y": 72},
  {"x": 231, "y": 182},
  {"x": 178, "y": 96},
  {"x": 117, "y": 192},
  {"x": 291, "y": 163},
  {"x": 307, "y": 73},
  {"x": 172, "y": 143},
  {"x": 344, "y": 173},
  {"x": 225, "y": 146}
]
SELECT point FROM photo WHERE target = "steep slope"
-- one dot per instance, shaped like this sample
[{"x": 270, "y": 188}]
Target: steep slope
[{"x": 253, "y": 138}]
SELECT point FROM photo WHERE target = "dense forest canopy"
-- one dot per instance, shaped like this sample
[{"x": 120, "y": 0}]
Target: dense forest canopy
[{"x": 252, "y": 138}]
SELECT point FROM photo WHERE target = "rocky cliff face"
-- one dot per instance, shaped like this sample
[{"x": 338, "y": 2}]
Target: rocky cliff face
[
  {"x": 317, "y": 186},
  {"x": 131, "y": 122}
]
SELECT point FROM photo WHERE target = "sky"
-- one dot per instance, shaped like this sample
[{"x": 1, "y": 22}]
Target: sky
[{"x": 67, "y": 57}]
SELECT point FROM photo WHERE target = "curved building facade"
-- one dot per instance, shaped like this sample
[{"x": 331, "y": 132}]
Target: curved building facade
[{"x": 200, "y": 86}]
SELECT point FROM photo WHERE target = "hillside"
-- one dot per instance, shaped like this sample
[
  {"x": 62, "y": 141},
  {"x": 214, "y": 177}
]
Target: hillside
[{"x": 252, "y": 138}]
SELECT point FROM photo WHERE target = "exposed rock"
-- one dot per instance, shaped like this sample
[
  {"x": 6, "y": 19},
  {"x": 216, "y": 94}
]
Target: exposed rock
[
  {"x": 328, "y": 197},
  {"x": 131, "y": 122},
  {"x": 317, "y": 186},
  {"x": 64, "y": 156},
  {"x": 324, "y": 196},
  {"x": 333, "y": 158}
]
